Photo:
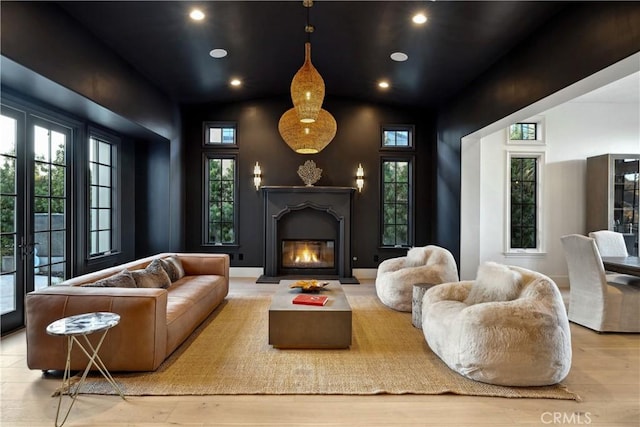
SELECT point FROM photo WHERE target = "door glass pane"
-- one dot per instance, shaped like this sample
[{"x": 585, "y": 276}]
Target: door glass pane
[
  {"x": 8, "y": 295},
  {"x": 58, "y": 148},
  {"x": 42, "y": 248},
  {"x": 41, "y": 214},
  {"x": 40, "y": 277},
  {"x": 8, "y": 215},
  {"x": 8, "y": 132},
  {"x": 57, "y": 208},
  {"x": 57, "y": 180},
  {"x": 49, "y": 215},
  {"x": 8, "y": 277},
  {"x": 8, "y": 224},
  {"x": 58, "y": 273},
  {"x": 41, "y": 179},
  {"x": 41, "y": 143},
  {"x": 7, "y": 175},
  {"x": 57, "y": 246}
]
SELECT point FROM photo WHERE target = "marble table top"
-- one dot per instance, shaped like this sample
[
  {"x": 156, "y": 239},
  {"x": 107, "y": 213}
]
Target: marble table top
[{"x": 83, "y": 324}]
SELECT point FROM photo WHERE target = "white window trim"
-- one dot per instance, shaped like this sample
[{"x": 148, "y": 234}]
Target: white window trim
[
  {"x": 540, "y": 249},
  {"x": 540, "y": 136}
]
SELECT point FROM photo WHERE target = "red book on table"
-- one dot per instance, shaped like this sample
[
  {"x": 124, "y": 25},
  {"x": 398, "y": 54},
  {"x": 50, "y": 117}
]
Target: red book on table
[{"x": 310, "y": 299}]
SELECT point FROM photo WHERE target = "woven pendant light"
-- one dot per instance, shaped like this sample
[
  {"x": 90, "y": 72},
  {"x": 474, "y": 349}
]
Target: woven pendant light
[
  {"x": 307, "y": 89},
  {"x": 307, "y": 138},
  {"x": 306, "y": 127}
]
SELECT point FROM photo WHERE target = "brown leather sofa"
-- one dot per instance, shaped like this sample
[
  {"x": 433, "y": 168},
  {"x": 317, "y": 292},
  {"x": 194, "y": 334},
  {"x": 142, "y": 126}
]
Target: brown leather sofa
[{"x": 153, "y": 323}]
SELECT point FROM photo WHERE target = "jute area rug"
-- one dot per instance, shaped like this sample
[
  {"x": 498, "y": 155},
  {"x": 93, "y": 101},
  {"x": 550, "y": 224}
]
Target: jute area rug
[{"x": 229, "y": 354}]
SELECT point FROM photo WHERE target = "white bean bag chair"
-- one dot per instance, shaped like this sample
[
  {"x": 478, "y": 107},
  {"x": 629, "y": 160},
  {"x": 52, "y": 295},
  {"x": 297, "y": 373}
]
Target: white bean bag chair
[
  {"x": 396, "y": 276},
  {"x": 508, "y": 327}
]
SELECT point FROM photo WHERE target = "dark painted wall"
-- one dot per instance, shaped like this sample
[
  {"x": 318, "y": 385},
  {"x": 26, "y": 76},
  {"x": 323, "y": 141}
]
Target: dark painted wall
[
  {"x": 44, "y": 38},
  {"x": 152, "y": 178},
  {"x": 357, "y": 140},
  {"x": 48, "y": 57},
  {"x": 578, "y": 42}
]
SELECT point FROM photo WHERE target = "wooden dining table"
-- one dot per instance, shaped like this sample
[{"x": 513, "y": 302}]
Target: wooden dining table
[{"x": 623, "y": 264}]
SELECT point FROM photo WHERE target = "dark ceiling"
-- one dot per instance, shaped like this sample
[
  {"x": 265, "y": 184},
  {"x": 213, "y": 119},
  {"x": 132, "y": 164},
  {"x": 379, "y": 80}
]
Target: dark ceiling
[{"x": 350, "y": 46}]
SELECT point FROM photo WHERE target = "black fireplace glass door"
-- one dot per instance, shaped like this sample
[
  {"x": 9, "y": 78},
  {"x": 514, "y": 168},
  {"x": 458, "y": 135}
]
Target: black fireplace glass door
[{"x": 308, "y": 254}]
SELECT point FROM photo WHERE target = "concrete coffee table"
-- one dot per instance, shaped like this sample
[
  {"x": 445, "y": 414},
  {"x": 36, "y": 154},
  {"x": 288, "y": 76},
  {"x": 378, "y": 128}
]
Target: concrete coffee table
[{"x": 308, "y": 326}]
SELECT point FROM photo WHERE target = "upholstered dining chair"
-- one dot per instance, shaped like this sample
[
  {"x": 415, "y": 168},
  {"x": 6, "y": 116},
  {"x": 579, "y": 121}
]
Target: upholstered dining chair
[
  {"x": 507, "y": 327},
  {"x": 605, "y": 303},
  {"x": 609, "y": 243},
  {"x": 396, "y": 276}
]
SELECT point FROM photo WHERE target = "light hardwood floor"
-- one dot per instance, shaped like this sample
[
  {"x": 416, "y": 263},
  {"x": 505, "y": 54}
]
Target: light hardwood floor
[{"x": 605, "y": 373}]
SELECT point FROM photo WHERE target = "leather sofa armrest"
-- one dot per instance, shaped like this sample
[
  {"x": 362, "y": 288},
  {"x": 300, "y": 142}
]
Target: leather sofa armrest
[
  {"x": 205, "y": 264},
  {"x": 137, "y": 343}
]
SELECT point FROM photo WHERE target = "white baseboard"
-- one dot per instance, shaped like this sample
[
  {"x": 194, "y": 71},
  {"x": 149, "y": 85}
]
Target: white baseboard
[
  {"x": 246, "y": 271},
  {"x": 365, "y": 273}
]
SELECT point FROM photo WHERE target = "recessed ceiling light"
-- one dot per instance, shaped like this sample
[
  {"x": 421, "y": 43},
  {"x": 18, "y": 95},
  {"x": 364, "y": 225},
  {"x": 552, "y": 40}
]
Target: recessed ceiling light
[
  {"x": 235, "y": 82},
  {"x": 218, "y": 53},
  {"x": 399, "y": 56},
  {"x": 419, "y": 18},
  {"x": 383, "y": 84},
  {"x": 196, "y": 15}
]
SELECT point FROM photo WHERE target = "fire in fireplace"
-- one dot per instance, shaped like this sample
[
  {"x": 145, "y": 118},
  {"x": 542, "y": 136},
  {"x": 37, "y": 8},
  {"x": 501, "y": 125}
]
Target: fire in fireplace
[{"x": 305, "y": 254}]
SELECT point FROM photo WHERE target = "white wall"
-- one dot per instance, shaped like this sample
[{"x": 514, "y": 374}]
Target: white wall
[{"x": 573, "y": 132}]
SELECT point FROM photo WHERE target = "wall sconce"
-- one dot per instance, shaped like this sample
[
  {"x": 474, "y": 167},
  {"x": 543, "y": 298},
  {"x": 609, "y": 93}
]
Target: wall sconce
[
  {"x": 257, "y": 176},
  {"x": 360, "y": 177}
]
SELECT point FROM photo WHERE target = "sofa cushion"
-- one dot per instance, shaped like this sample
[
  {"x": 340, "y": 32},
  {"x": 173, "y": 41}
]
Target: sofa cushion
[
  {"x": 153, "y": 276},
  {"x": 173, "y": 266},
  {"x": 124, "y": 279},
  {"x": 494, "y": 282}
]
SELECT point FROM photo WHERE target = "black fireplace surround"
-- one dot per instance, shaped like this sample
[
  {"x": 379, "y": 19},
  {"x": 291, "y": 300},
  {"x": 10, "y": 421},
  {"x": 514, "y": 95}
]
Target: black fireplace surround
[{"x": 307, "y": 213}]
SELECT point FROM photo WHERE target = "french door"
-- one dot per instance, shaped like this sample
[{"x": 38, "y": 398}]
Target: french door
[{"x": 34, "y": 224}]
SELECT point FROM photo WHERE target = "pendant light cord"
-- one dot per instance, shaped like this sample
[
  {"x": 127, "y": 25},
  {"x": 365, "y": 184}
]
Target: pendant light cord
[{"x": 308, "y": 28}]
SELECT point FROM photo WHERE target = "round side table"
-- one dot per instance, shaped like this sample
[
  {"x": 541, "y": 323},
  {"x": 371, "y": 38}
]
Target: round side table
[
  {"x": 416, "y": 303},
  {"x": 76, "y": 326}
]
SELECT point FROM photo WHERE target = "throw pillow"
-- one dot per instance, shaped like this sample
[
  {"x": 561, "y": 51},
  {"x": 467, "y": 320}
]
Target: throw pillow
[
  {"x": 494, "y": 282},
  {"x": 416, "y": 257},
  {"x": 124, "y": 279},
  {"x": 173, "y": 267},
  {"x": 153, "y": 276}
]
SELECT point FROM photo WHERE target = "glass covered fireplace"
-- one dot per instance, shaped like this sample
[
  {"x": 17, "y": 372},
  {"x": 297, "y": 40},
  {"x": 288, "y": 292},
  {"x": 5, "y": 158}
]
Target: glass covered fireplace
[{"x": 308, "y": 254}]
